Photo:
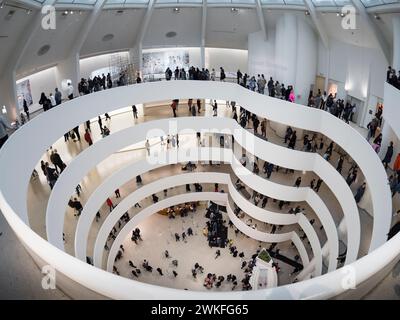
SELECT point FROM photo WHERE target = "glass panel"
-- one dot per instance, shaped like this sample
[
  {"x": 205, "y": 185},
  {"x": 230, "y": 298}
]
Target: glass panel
[
  {"x": 244, "y": 1},
  {"x": 115, "y": 1},
  {"x": 190, "y": 1},
  {"x": 391, "y": 1},
  {"x": 371, "y": 3},
  {"x": 341, "y": 3},
  {"x": 166, "y": 1},
  {"x": 137, "y": 1},
  {"x": 85, "y": 2},
  {"x": 295, "y": 2},
  {"x": 272, "y": 2},
  {"x": 323, "y": 3},
  {"x": 65, "y": 1},
  {"x": 218, "y": 1}
]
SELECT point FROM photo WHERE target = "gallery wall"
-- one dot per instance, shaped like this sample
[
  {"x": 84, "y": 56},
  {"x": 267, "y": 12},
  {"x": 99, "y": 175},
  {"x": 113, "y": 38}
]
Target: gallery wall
[
  {"x": 91, "y": 64},
  {"x": 43, "y": 81}
]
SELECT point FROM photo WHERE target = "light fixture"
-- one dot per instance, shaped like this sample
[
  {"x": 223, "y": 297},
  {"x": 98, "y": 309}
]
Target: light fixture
[
  {"x": 65, "y": 12},
  {"x": 28, "y": 11},
  {"x": 2, "y": 5},
  {"x": 342, "y": 14},
  {"x": 80, "y": 12},
  {"x": 377, "y": 17},
  {"x": 176, "y": 10},
  {"x": 307, "y": 13},
  {"x": 337, "y": 14},
  {"x": 4, "y": 110},
  {"x": 71, "y": 12},
  {"x": 234, "y": 10}
]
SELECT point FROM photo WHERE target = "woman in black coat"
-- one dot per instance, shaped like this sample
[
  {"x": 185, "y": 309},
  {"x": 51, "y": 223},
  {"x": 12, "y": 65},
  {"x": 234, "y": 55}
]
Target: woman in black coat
[{"x": 388, "y": 156}]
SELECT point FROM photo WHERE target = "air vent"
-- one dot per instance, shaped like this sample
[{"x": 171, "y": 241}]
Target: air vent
[
  {"x": 9, "y": 15},
  {"x": 108, "y": 37},
  {"x": 170, "y": 34},
  {"x": 43, "y": 50}
]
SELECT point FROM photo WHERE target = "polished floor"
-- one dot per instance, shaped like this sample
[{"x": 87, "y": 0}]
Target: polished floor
[{"x": 39, "y": 192}]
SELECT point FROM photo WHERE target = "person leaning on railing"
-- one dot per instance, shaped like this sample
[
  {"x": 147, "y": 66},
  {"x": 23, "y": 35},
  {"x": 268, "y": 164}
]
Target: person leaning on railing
[{"x": 392, "y": 79}]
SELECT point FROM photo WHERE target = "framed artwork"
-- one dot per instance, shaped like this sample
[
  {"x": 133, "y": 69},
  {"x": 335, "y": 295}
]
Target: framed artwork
[
  {"x": 24, "y": 92},
  {"x": 156, "y": 63}
]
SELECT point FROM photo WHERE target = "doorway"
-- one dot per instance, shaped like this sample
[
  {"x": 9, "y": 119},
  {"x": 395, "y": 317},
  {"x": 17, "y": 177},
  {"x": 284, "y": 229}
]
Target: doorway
[{"x": 358, "y": 114}]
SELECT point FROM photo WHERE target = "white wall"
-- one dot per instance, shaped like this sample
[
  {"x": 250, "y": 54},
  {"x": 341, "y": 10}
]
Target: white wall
[
  {"x": 43, "y": 81},
  {"x": 362, "y": 71},
  {"x": 261, "y": 54},
  {"x": 230, "y": 59},
  {"x": 88, "y": 65},
  {"x": 194, "y": 53}
]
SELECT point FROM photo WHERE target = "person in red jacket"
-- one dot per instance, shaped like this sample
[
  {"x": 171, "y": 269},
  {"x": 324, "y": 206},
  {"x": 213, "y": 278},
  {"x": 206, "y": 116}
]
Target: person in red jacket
[
  {"x": 110, "y": 204},
  {"x": 88, "y": 138},
  {"x": 396, "y": 165}
]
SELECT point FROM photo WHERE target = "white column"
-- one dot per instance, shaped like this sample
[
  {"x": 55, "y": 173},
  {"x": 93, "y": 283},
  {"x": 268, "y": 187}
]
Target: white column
[
  {"x": 68, "y": 70},
  {"x": 306, "y": 60},
  {"x": 286, "y": 48},
  {"x": 8, "y": 96},
  {"x": 396, "y": 43},
  {"x": 202, "y": 57}
]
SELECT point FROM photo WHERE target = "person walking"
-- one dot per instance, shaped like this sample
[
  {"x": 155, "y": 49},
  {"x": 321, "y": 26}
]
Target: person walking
[
  {"x": 110, "y": 204},
  {"x": 319, "y": 182},
  {"x": 340, "y": 164},
  {"x": 135, "y": 112},
  {"x": 360, "y": 192},
  {"x": 57, "y": 96},
  {"x": 298, "y": 182},
  {"x": 70, "y": 91},
  {"x": 88, "y": 137},
  {"x": 388, "y": 156}
]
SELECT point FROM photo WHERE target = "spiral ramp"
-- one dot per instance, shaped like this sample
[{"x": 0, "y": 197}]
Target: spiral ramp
[{"x": 316, "y": 281}]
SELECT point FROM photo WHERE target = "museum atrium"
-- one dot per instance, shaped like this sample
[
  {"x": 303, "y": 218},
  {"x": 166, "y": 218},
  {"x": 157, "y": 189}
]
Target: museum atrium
[{"x": 199, "y": 149}]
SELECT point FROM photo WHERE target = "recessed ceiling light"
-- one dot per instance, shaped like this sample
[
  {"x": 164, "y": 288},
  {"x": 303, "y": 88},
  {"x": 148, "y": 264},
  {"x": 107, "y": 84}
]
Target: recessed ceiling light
[
  {"x": 28, "y": 11},
  {"x": 1, "y": 5},
  {"x": 71, "y": 12},
  {"x": 337, "y": 14},
  {"x": 307, "y": 13},
  {"x": 234, "y": 9},
  {"x": 342, "y": 14},
  {"x": 176, "y": 10},
  {"x": 65, "y": 12}
]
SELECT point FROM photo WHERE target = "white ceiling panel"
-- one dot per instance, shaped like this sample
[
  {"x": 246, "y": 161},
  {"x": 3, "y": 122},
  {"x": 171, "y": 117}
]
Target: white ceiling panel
[
  {"x": 186, "y": 24},
  {"x": 124, "y": 28}
]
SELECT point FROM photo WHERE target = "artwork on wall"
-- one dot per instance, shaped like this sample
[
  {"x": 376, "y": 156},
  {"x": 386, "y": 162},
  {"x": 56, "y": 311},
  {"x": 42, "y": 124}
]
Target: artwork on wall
[
  {"x": 24, "y": 92},
  {"x": 155, "y": 63}
]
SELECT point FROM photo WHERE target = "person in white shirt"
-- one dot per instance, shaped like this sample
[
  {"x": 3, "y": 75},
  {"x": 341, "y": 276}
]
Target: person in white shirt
[
  {"x": 70, "y": 91},
  {"x": 212, "y": 75},
  {"x": 53, "y": 100}
]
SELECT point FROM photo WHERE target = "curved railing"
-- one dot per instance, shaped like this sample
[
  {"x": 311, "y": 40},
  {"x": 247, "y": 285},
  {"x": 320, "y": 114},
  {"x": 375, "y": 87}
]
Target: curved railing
[{"x": 368, "y": 269}]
